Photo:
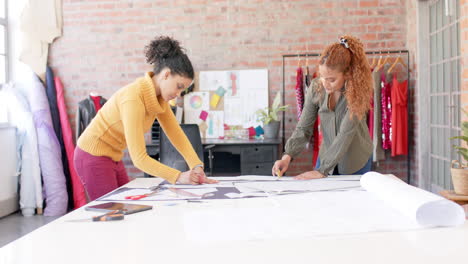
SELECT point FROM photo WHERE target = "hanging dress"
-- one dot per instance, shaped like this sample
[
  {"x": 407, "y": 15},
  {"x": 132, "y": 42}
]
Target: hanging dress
[
  {"x": 378, "y": 152},
  {"x": 399, "y": 117},
  {"x": 317, "y": 135},
  {"x": 299, "y": 92},
  {"x": 386, "y": 112}
]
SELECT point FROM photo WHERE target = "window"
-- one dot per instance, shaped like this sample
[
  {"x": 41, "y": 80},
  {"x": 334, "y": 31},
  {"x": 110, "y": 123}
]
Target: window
[
  {"x": 3, "y": 57},
  {"x": 444, "y": 88},
  {"x": 3, "y": 42}
]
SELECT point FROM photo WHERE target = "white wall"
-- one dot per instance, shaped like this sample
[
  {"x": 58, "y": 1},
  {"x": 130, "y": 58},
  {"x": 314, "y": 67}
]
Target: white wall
[{"x": 15, "y": 8}]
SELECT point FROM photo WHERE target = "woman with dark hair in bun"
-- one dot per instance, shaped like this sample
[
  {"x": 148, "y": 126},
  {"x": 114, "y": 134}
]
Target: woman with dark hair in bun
[{"x": 123, "y": 120}]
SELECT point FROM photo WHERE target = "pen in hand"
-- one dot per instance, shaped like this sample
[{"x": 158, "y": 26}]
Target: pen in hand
[{"x": 279, "y": 173}]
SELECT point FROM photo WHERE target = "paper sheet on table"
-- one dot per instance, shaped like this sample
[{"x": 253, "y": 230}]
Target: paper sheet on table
[
  {"x": 424, "y": 207},
  {"x": 160, "y": 196},
  {"x": 389, "y": 204},
  {"x": 296, "y": 185},
  {"x": 252, "y": 178},
  {"x": 144, "y": 182},
  {"x": 302, "y": 215},
  {"x": 245, "y": 195},
  {"x": 191, "y": 186}
]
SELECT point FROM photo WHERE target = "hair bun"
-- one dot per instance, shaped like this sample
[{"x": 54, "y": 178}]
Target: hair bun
[{"x": 162, "y": 47}]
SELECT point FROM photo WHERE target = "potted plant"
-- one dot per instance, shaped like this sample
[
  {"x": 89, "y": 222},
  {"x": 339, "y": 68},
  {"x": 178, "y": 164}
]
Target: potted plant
[
  {"x": 269, "y": 117},
  {"x": 460, "y": 172}
]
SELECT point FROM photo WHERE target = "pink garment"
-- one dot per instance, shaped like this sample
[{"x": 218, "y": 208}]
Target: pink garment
[
  {"x": 386, "y": 93},
  {"x": 79, "y": 196},
  {"x": 299, "y": 92}
]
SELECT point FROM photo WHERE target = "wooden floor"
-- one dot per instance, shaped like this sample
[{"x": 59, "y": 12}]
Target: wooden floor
[{"x": 16, "y": 225}]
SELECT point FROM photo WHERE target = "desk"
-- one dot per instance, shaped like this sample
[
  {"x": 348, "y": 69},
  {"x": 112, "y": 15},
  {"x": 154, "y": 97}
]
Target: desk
[
  {"x": 255, "y": 156},
  {"x": 157, "y": 236}
]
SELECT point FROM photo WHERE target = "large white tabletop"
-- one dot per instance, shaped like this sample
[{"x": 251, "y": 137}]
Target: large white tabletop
[{"x": 158, "y": 236}]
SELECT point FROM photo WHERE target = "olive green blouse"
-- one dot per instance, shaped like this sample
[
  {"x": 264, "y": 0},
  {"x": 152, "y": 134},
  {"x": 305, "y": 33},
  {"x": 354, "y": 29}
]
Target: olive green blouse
[{"x": 346, "y": 141}]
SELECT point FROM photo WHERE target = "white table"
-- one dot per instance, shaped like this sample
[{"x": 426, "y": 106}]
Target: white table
[{"x": 157, "y": 236}]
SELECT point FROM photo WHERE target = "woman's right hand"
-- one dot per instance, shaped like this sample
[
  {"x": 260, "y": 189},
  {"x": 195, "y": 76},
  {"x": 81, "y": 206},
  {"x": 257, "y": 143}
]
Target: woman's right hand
[
  {"x": 281, "y": 166},
  {"x": 189, "y": 177}
]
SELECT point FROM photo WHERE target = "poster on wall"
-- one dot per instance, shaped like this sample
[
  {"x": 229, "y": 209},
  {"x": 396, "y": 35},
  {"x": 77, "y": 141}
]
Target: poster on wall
[
  {"x": 194, "y": 104},
  {"x": 215, "y": 124},
  {"x": 227, "y": 97},
  {"x": 252, "y": 91}
]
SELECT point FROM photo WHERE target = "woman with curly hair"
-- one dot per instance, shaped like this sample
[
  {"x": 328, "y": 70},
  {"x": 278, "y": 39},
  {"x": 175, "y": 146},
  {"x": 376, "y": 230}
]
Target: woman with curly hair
[
  {"x": 131, "y": 111},
  {"x": 341, "y": 97}
]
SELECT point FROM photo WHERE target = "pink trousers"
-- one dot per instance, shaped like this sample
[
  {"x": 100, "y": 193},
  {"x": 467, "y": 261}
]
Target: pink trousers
[{"x": 99, "y": 175}]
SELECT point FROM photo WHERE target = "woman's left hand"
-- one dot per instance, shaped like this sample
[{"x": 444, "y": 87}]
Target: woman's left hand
[
  {"x": 202, "y": 176},
  {"x": 309, "y": 175}
]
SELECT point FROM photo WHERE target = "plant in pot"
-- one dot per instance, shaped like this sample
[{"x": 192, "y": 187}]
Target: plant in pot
[
  {"x": 460, "y": 172},
  {"x": 269, "y": 117}
]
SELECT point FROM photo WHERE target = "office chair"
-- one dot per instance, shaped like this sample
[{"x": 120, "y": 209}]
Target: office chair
[{"x": 169, "y": 156}]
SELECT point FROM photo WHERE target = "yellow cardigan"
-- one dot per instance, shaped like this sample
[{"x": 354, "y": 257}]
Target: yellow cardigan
[{"x": 122, "y": 121}]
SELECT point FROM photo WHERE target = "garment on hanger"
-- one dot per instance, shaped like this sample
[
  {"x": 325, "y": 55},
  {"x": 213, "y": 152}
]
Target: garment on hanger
[
  {"x": 97, "y": 102},
  {"x": 40, "y": 23},
  {"x": 307, "y": 77},
  {"x": 399, "y": 117},
  {"x": 85, "y": 113},
  {"x": 378, "y": 152},
  {"x": 370, "y": 118},
  {"x": 299, "y": 91},
  {"x": 386, "y": 102}
]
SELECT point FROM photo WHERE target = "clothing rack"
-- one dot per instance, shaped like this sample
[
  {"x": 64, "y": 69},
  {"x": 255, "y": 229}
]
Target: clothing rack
[{"x": 298, "y": 55}]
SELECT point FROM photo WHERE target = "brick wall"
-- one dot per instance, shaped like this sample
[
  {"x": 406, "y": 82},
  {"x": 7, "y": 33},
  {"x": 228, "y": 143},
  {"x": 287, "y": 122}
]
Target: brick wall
[{"x": 102, "y": 45}]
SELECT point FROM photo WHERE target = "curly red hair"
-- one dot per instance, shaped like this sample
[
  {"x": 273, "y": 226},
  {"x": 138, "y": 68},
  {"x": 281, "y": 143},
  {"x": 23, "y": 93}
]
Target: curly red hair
[{"x": 348, "y": 56}]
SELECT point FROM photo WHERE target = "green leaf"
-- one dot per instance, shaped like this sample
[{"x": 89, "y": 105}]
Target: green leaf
[
  {"x": 465, "y": 155},
  {"x": 465, "y": 138},
  {"x": 274, "y": 116},
  {"x": 283, "y": 108},
  {"x": 271, "y": 114},
  {"x": 465, "y": 128},
  {"x": 462, "y": 151},
  {"x": 460, "y": 148},
  {"x": 276, "y": 102}
]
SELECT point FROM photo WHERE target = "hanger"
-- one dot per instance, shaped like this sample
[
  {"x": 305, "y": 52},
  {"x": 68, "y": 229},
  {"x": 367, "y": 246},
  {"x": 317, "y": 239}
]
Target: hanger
[
  {"x": 299, "y": 61},
  {"x": 382, "y": 63},
  {"x": 93, "y": 94},
  {"x": 379, "y": 62},
  {"x": 398, "y": 60},
  {"x": 372, "y": 65},
  {"x": 307, "y": 76}
]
